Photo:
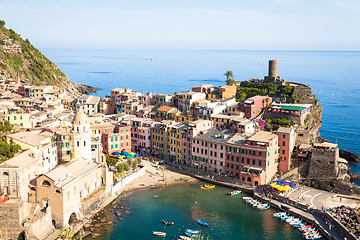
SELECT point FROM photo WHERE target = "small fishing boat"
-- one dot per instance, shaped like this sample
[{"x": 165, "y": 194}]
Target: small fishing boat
[
  {"x": 192, "y": 231},
  {"x": 167, "y": 222},
  {"x": 246, "y": 198},
  {"x": 192, "y": 235},
  {"x": 234, "y": 193},
  {"x": 279, "y": 214},
  {"x": 203, "y": 223},
  {"x": 210, "y": 186},
  {"x": 264, "y": 206},
  {"x": 185, "y": 238},
  {"x": 159, "y": 233}
]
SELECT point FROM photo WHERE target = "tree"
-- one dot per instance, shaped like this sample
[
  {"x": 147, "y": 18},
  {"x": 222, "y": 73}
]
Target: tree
[
  {"x": 230, "y": 81},
  {"x": 134, "y": 164},
  {"x": 138, "y": 160},
  {"x": 129, "y": 161},
  {"x": 126, "y": 167},
  {"x": 111, "y": 161},
  {"x": 2, "y": 23},
  {"x": 120, "y": 167},
  {"x": 228, "y": 75}
]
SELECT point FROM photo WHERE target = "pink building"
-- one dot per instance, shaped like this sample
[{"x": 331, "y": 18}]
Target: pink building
[
  {"x": 253, "y": 159},
  {"x": 208, "y": 150},
  {"x": 253, "y": 106},
  {"x": 189, "y": 132},
  {"x": 286, "y": 145},
  {"x": 141, "y": 134}
]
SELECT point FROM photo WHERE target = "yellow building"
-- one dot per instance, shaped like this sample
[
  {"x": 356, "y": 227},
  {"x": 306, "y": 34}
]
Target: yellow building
[
  {"x": 175, "y": 141},
  {"x": 183, "y": 117},
  {"x": 20, "y": 118},
  {"x": 227, "y": 91}
]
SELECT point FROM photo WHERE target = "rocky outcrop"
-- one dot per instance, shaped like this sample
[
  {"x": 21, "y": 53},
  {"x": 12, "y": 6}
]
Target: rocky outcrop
[
  {"x": 349, "y": 156},
  {"x": 332, "y": 185},
  {"x": 20, "y": 60}
]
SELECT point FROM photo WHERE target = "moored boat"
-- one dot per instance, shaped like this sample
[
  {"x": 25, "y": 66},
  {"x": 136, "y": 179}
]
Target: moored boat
[
  {"x": 192, "y": 235},
  {"x": 185, "y": 238},
  {"x": 163, "y": 234},
  {"x": 203, "y": 223},
  {"x": 234, "y": 193},
  {"x": 167, "y": 222},
  {"x": 192, "y": 231}
]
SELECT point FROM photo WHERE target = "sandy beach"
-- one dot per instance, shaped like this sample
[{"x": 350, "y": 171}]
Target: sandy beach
[{"x": 157, "y": 176}]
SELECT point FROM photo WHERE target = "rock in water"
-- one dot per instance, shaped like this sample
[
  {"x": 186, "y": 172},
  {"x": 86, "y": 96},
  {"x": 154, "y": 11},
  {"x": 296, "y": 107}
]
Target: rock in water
[{"x": 349, "y": 156}]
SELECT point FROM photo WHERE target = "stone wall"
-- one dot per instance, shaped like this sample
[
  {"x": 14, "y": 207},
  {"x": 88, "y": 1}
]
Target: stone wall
[
  {"x": 303, "y": 93},
  {"x": 324, "y": 163}
]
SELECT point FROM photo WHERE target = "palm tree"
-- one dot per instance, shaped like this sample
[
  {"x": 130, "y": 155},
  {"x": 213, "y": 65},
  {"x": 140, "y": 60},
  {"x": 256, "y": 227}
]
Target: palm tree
[
  {"x": 229, "y": 77},
  {"x": 228, "y": 74}
]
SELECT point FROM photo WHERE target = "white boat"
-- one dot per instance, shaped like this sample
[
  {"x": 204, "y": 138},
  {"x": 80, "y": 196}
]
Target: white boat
[
  {"x": 185, "y": 238},
  {"x": 264, "y": 206},
  {"x": 159, "y": 233},
  {"x": 245, "y": 198},
  {"x": 192, "y": 231},
  {"x": 234, "y": 193},
  {"x": 279, "y": 214}
]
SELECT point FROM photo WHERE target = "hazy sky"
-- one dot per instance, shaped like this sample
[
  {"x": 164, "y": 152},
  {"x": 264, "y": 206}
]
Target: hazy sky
[{"x": 187, "y": 24}]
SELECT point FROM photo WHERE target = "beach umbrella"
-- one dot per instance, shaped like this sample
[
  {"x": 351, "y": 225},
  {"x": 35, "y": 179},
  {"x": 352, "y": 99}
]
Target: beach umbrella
[{"x": 116, "y": 153}]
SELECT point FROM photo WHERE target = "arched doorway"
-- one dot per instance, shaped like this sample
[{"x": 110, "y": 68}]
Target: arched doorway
[
  {"x": 249, "y": 179},
  {"x": 72, "y": 218}
]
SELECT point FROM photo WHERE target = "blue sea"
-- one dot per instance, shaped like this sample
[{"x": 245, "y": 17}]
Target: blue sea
[{"x": 333, "y": 76}]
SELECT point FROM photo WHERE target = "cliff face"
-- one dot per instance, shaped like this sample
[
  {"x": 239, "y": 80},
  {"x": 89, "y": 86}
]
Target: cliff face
[{"x": 21, "y": 60}]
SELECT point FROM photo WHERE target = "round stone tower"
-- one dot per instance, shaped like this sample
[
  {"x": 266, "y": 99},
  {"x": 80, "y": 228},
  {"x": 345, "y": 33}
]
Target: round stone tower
[{"x": 273, "y": 68}]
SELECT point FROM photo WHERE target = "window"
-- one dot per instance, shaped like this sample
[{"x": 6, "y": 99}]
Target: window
[
  {"x": 14, "y": 117},
  {"x": 283, "y": 143},
  {"x": 248, "y": 161},
  {"x": 283, "y": 151},
  {"x": 259, "y": 162},
  {"x": 242, "y": 160},
  {"x": 253, "y": 161},
  {"x": 221, "y": 155},
  {"x": 259, "y": 154},
  {"x": 21, "y": 124}
]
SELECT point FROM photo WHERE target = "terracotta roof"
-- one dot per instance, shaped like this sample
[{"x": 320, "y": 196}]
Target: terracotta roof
[{"x": 165, "y": 109}]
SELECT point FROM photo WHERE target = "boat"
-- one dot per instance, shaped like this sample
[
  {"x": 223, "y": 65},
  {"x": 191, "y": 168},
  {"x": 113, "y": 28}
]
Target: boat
[
  {"x": 185, "y": 238},
  {"x": 204, "y": 188},
  {"x": 167, "y": 222},
  {"x": 246, "y": 198},
  {"x": 264, "y": 206},
  {"x": 234, "y": 193},
  {"x": 192, "y": 235},
  {"x": 210, "y": 186},
  {"x": 201, "y": 222},
  {"x": 159, "y": 233},
  {"x": 192, "y": 231}
]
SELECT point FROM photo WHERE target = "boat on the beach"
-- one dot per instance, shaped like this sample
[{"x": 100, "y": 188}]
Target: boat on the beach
[
  {"x": 159, "y": 233},
  {"x": 192, "y": 231},
  {"x": 234, "y": 193},
  {"x": 203, "y": 223},
  {"x": 192, "y": 235},
  {"x": 169, "y": 223}
]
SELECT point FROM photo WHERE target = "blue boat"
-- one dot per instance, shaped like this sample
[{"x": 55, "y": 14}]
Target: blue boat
[
  {"x": 201, "y": 222},
  {"x": 192, "y": 235}
]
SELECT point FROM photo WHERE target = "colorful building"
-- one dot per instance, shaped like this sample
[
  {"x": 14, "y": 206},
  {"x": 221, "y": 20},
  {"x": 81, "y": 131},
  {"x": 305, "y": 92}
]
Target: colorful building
[
  {"x": 252, "y": 159},
  {"x": 286, "y": 145},
  {"x": 252, "y": 107}
]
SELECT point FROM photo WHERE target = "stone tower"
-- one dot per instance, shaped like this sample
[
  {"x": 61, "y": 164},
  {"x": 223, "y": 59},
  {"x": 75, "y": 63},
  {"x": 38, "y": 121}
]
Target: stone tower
[
  {"x": 273, "y": 68},
  {"x": 273, "y": 73},
  {"x": 81, "y": 136}
]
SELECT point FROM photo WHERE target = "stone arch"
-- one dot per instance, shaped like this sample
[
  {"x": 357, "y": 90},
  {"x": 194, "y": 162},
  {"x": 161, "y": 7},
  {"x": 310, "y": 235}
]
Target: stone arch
[
  {"x": 5, "y": 173},
  {"x": 72, "y": 218},
  {"x": 45, "y": 183}
]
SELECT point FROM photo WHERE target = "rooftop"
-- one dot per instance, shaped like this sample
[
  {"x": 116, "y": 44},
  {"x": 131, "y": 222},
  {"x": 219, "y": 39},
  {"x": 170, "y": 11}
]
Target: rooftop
[
  {"x": 33, "y": 138},
  {"x": 66, "y": 173},
  {"x": 20, "y": 161}
]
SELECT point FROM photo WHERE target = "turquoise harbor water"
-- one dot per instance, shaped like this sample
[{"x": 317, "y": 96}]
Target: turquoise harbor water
[{"x": 228, "y": 217}]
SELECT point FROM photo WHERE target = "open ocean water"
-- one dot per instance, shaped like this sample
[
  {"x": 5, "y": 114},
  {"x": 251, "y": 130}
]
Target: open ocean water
[{"x": 333, "y": 76}]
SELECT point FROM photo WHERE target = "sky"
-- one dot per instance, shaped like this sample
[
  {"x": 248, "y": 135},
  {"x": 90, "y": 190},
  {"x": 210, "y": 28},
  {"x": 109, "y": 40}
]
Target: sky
[{"x": 187, "y": 24}]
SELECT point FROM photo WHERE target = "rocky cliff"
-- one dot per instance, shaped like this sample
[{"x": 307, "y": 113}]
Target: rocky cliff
[{"x": 19, "y": 59}]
